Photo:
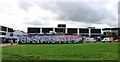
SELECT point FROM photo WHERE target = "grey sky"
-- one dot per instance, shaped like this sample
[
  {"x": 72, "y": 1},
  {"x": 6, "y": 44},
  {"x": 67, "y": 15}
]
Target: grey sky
[{"x": 20, "y": 14}]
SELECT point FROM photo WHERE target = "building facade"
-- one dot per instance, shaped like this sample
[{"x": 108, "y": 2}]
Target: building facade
[
  {"x": 90, "y": 31},
  {"x": 5, "y": 33},
  {"x": 114, "y": 32}
]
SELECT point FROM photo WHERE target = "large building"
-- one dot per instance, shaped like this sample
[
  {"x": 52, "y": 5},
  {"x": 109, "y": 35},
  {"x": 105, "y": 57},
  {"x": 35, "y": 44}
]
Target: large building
[
  {"x": 111, "y": 32},
  {"x": 61, "y": 29},
  {"x": 5, "y": 33}
]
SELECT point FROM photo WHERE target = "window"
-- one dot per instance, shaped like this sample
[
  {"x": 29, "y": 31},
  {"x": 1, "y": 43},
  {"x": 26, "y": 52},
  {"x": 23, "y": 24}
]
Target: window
[{"x": 33, "y": 30}]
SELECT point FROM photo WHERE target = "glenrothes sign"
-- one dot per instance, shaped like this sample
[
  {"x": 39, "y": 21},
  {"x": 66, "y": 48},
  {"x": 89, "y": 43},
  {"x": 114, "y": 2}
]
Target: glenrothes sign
[{"x": 59, "y": 39}]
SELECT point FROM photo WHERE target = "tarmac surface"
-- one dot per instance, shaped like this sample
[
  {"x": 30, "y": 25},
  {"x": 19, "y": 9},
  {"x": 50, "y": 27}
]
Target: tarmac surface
[{"x": 8, "y": 44}]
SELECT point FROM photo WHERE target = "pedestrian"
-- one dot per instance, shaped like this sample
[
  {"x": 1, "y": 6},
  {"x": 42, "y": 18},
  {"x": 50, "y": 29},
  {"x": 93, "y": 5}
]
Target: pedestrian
[{"x": 11, "y": 41}]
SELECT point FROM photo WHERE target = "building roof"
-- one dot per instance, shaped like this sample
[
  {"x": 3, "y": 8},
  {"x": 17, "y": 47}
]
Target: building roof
[{"x": 111, "y": 29}]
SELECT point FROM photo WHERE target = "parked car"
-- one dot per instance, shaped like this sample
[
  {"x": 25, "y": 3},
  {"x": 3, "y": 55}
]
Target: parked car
[{"x": 117, "y": 40}]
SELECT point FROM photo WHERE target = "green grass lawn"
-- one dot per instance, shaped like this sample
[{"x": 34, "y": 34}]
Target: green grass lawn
[{"x": 85, "y": 51}]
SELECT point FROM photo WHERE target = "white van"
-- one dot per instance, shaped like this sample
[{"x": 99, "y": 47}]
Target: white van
[{"x": 107, "y": 39}]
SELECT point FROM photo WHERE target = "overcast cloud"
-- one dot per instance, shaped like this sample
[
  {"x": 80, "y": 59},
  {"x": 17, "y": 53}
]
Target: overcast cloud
[
  {"x": 20, "y": 14},
  {"x": 81, "y": 11}
]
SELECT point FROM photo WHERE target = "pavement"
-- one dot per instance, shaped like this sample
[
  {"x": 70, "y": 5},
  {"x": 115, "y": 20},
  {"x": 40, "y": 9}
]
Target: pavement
[{"x": 8, "y": 44}]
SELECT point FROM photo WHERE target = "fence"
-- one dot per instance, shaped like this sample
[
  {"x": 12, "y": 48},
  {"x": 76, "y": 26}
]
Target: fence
[
  {"x": 59, "y": 39},
  {"x": 26, "y": 39}
]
